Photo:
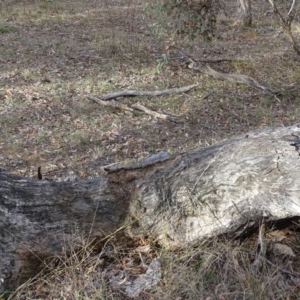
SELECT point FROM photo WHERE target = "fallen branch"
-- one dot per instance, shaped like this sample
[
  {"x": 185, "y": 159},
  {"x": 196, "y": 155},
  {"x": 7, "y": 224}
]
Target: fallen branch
[
  {"x": 154, "y": 113},
  {"x": 206, "y": 69},
  {"x": 138, "y": 106},
  {"x": 214, "y": 61},
  {"x": 132, "y": 107},
  {"x": 280, "y": 92},
  {"x": 132, "y": 93},
  {"x": 112, "y": 103},
  {"x": 261, "y": 249}
]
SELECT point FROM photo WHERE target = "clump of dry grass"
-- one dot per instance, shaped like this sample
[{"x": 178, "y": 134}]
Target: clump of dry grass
[
  {"x": 215, "y": 269},
  {"x": 79, "y": 273},
  {"x": 219, "y": 270}
]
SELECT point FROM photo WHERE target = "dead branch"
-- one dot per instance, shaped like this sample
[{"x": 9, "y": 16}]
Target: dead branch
[
  {"x": 284, "y": 90},
  {"x": 214, "y": 61},
  {"x": 154, "y": 113},
  {"x": 206, "y": 69},
  {"x": 112, "y": 103},
  {"x": 261, "y": 248},
  {"x": 132, "y": 107},
  {"x": 138, "y": 106},
  {"x": 132, "y": 93}
]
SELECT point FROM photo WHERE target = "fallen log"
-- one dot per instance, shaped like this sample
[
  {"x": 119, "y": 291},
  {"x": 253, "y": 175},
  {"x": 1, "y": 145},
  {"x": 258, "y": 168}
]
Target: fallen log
[{"x": 226, "y": 188}]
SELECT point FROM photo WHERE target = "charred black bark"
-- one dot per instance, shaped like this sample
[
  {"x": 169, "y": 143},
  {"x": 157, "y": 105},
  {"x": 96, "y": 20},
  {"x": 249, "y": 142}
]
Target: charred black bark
[{"x": 178, "y": 199}]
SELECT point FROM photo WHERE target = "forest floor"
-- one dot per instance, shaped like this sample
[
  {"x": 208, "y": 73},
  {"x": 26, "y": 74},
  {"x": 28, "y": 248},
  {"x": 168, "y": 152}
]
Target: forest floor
[{"x": 54, "y": 54}]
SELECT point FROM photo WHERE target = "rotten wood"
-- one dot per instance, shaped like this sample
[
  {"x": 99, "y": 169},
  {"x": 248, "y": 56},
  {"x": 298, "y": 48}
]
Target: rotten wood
[{"x": 223, "y": 189}]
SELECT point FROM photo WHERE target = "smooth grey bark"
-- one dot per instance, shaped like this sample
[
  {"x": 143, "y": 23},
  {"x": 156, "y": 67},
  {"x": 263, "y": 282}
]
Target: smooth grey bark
[
  {"x": 245, "y": 12},
  {"x": 178, "y": 199}
]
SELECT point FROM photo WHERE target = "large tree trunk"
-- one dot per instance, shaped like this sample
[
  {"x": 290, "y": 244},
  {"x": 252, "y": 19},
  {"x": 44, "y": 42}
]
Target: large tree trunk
[
  {"x": 221, "y": 189},
  {"x": 245, "y": 12}
]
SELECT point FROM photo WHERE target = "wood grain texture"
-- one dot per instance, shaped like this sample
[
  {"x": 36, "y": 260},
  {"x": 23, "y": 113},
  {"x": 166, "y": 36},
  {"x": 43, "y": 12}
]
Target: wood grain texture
[{"x": 178, "y": 199}]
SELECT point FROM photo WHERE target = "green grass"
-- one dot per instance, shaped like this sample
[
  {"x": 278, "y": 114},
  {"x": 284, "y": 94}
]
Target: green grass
[{"x": 6, "y": 29}]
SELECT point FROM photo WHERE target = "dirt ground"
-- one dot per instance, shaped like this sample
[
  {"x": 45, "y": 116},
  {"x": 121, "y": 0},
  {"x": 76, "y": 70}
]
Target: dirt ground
[{"x": 54, "y": 54}]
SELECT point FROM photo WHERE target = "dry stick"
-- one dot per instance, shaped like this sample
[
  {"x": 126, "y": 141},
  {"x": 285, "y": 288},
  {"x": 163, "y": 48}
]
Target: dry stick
[
  {"x": 149, "y": 93},
  {"x": 282, "y": 91},
  {"x": 131, "y": 108},
  {"x": 154, "y": 113},
  {"x": 112, "y": 103},
  {"x": 206, "y": 69},
  {"x": 214, "y": 61},
  {"x": 138, "y": 106},
  {"x": 261, "y": 248}
]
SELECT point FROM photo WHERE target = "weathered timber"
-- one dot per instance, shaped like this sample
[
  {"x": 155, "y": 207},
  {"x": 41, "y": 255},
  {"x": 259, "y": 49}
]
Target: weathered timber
[
  {"x": 127, "y": 93},
  {"x": 179, "y": 199}
]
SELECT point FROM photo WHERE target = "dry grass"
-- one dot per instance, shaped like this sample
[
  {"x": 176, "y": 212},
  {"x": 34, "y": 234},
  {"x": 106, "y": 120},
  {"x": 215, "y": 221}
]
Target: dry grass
[
  {"x": 217, "y": 269},
  {"x": 54, "y": 53}
]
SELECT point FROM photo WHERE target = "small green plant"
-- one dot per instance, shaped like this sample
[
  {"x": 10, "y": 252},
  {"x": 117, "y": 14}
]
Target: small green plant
[
  {"x": 161, "y": 62},
  {"x": 7, "y": 28},
  {"x": 4, "y": 295}
]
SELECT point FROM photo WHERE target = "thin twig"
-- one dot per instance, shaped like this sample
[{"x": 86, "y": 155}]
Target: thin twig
[
  {"x": 261, "y": 248},
  {"x": 214, "y": 61},
  {"x": 292, "y": 7}
]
